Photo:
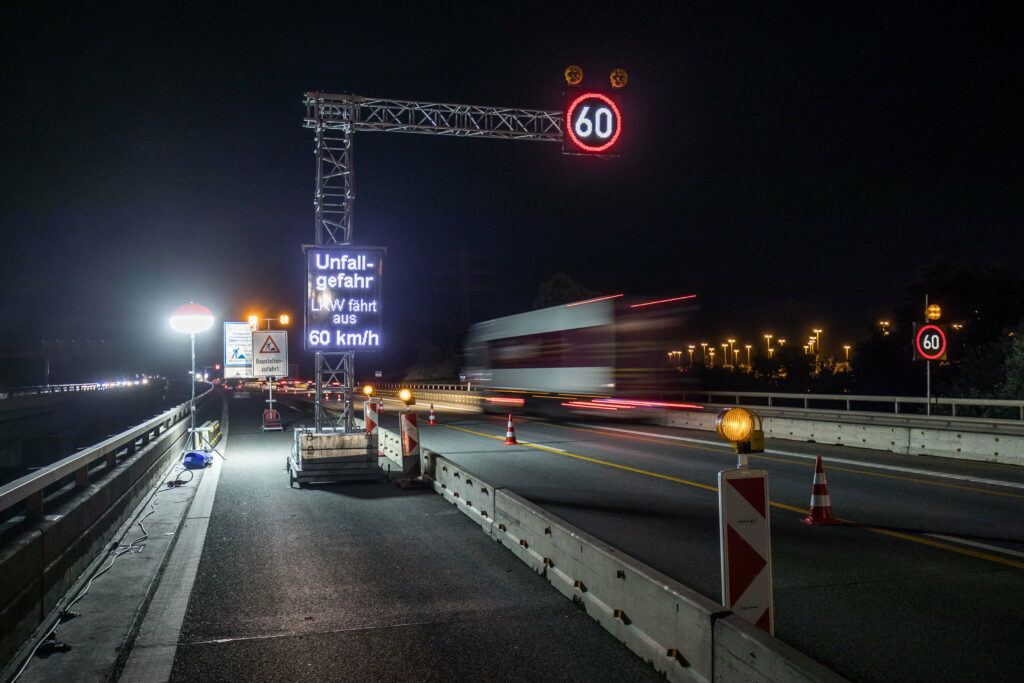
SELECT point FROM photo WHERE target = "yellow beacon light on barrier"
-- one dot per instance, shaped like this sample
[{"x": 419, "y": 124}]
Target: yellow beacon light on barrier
[
  {"x": 743, "y": 428},
  {"x": 368, "y": 390},
  {"x": 406, "y": 396}
]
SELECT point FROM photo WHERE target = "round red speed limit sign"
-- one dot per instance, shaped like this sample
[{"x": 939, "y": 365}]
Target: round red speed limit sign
[
  {"x": 930, "y": 342},
  {"x": 593, "y": 123}
]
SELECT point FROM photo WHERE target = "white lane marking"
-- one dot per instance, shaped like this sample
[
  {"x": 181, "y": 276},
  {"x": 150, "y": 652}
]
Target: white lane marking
[
  {"x": 841, "y": 461},
  {"x": 153, "y": 653},
  {"x": 986, "y": 546},
  {"x": 540, "y": 445}
]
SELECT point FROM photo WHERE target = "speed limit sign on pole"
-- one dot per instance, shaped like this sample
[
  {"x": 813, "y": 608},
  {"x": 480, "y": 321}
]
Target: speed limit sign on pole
[
  {"x": 593, "y": 123},
  {"x": 929, "y": 342}
]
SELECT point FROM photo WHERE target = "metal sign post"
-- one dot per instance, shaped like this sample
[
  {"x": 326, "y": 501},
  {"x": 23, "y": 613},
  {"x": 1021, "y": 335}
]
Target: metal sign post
[
  {"x": 334, "y": 120},
  {"x": 744, "y": 524},
  {"x": 930, "y": 344},
  {"x": 270, "y": 360}
]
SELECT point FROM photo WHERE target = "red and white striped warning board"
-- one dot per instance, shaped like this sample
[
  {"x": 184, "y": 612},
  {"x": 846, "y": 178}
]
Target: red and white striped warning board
[
  {"x": 410, "y": 444},
  {"x": 370, "y": 416},
  {"x": 745, "y": 535}
]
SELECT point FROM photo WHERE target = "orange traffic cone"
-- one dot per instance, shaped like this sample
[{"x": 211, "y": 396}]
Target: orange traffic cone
[
  {"x": 431, "y": 421},
  {"x": 510, "y": 435},
  {"x": 821, "y": 503}
]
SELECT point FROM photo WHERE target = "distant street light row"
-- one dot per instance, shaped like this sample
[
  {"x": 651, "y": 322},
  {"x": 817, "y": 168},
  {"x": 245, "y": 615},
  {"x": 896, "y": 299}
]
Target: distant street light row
[{"x": 730, "y": 356}]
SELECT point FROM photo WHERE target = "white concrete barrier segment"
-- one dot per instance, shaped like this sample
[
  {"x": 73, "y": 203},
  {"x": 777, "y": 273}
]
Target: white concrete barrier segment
[
  {"x": 463, "y": 489},
  {"x": 666, "y": 623},
  {"x": 659, "y": 619},
  {"x": 743, "y": 652},
  {"x": 1007, "y": 449}
]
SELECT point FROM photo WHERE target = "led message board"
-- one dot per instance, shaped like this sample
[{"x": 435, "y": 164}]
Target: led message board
[
  {"x": 343, "y": 298},
  {"x": 593, "y": 123}
]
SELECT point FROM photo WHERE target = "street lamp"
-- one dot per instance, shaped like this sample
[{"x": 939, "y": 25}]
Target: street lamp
[
  {"x": 731, "y": 342},
  {"x": 817, "y": 340},
  {"x": 690, "y": 348},
  {"x": 725, "y": 354},
  {"x": 712, "y": 354},
  {"x": 704, "y": 353},
  {"x": 846, "y": 347},
  {"x": 191, "y": 319},
  {"x": 748, "y": 354},
  {"x": 768, "y": 341}
]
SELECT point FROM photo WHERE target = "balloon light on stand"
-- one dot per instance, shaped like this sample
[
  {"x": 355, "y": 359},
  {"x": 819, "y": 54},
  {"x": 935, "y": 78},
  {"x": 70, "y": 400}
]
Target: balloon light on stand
[{"x": 191, "y": 319}]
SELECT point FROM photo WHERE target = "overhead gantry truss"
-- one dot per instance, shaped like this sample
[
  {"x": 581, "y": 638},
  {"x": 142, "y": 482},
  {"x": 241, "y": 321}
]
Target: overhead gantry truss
[
  {"x": 335, "y": 118},
  {"x": 342, "y": 112}
]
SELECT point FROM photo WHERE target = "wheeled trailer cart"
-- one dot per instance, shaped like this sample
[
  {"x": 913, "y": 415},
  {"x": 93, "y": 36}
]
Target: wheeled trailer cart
[{"x": 332, "y": 456}]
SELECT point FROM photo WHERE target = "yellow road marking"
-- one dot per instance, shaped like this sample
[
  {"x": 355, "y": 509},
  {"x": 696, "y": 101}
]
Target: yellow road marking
[
  {"x": 944, "y": 546},
  {"x": 594, "y": 460},
  {"x": 885, "y": 532},
  {"x": 927, "y": 482},
  {"x": 640, "y": 438}
]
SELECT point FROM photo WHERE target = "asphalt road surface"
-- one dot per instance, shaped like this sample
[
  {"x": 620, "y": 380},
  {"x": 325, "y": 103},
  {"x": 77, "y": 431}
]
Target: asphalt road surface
[{"x": 366, "y": 581}]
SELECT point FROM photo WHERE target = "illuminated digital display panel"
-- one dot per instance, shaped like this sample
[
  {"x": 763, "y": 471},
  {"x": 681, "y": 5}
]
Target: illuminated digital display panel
[
  {"x": 343, "y": 298},
  {"x": 593, "y": 123}
]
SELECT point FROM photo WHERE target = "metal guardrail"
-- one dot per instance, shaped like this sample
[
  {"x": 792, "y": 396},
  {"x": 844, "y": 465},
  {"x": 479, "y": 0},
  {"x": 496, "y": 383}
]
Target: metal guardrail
[
  {"x": 30, "y": 488},
  {"x": 859, "y": 403},
  {"x": 846, "y": 402},
  {"x": 427, "y": 387},
  {"x": 18, "y": 392},
  {"x": 51, "y": 389}
]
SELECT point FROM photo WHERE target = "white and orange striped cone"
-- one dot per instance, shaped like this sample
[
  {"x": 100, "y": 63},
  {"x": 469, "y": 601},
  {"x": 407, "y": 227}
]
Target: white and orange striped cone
[
  {"x": 510, "y": 435},
  {"x": 431, "y": 420},
  {"x": 821, "y": 502}
]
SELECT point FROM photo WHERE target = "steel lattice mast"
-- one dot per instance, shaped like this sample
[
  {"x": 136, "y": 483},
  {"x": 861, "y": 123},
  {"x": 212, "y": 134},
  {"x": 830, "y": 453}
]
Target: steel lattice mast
[{"x": 334, "y": 119}]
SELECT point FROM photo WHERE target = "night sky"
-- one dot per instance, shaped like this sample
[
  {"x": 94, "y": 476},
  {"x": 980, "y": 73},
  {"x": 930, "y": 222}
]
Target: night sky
[{"x": 791, "y": 164}]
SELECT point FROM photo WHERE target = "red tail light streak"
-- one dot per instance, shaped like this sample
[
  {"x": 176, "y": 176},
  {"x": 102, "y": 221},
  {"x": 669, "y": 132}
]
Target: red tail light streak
[
  {"x": 506, "y": 401},
  {"x": 665, "y": 301},
  {"x": 649, "y": 404}
]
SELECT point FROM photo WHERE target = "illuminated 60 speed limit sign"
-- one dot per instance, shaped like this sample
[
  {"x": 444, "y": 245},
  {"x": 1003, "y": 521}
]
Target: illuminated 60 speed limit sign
[
  {"x": 593, "y": 124},
  {"x": 930, "y": 342}
]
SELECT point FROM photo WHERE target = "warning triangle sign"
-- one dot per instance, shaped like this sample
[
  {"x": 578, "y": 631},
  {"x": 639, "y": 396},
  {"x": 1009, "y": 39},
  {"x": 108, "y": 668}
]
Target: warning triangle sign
[{"x": 269, "y": 346}]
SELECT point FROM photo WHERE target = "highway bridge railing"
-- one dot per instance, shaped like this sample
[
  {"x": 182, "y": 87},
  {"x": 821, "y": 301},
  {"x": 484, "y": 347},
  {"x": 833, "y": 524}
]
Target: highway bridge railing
[
  {"x": 989, "y": 408},
  {"x": 991, "y": 430},
  {"x": 56, "y": 520},
  {"x": 905, "y": 406}
]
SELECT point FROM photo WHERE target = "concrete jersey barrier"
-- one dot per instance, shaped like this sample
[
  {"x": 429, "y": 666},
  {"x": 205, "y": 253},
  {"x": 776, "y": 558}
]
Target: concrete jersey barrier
[
  {"x": 684, "y": 635},
  {"x": 1007, "y": 449}
]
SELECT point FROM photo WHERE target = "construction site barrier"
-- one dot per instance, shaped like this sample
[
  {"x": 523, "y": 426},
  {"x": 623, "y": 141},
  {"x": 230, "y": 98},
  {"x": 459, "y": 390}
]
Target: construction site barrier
[{"x": 683, "y": 634}]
